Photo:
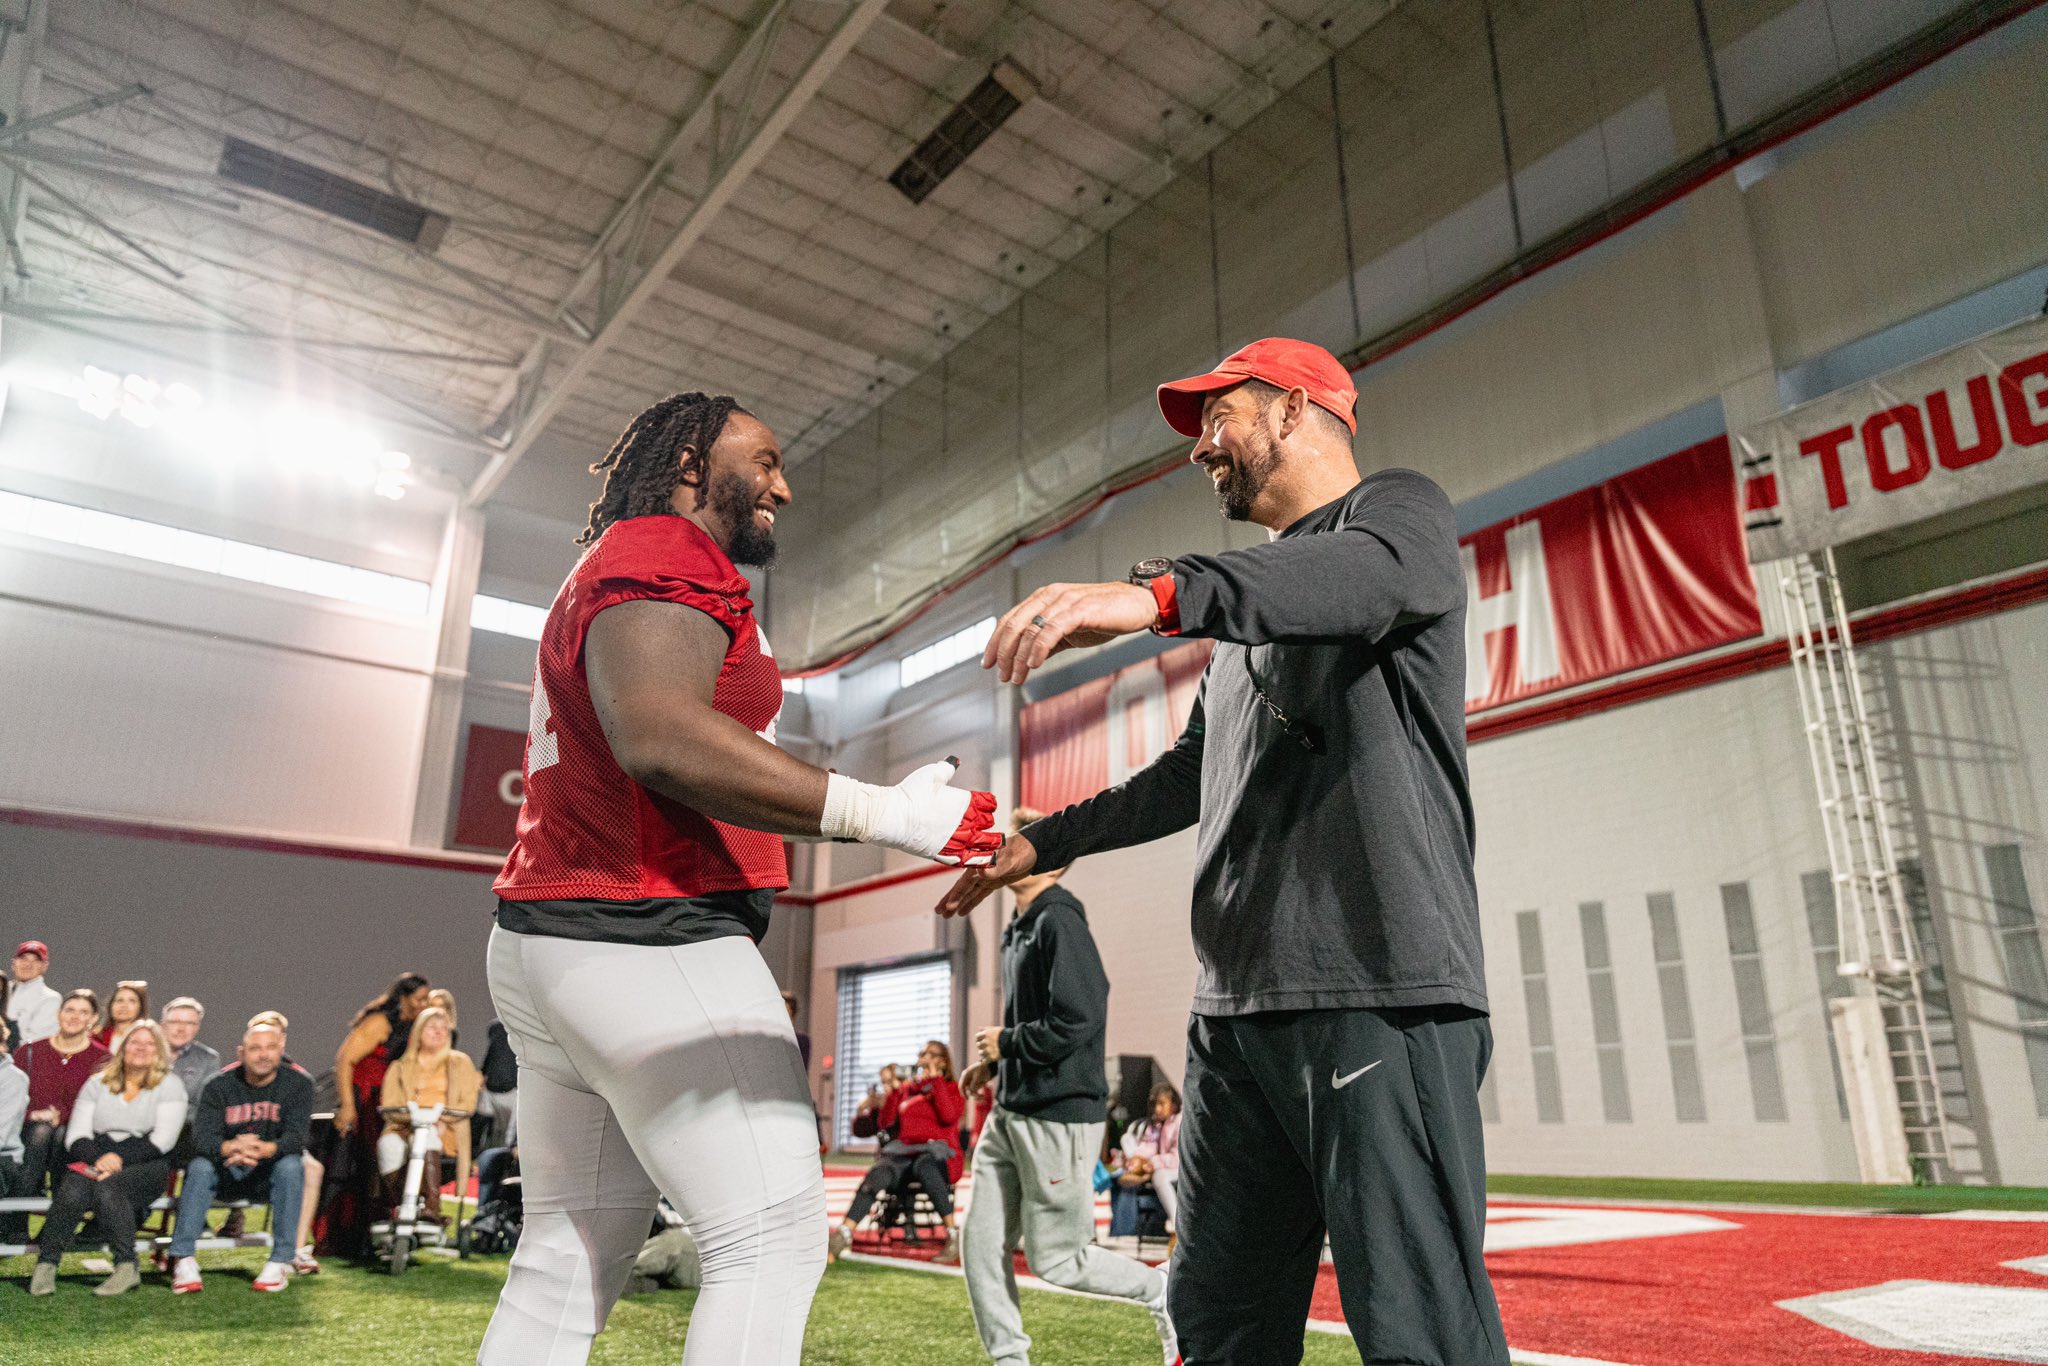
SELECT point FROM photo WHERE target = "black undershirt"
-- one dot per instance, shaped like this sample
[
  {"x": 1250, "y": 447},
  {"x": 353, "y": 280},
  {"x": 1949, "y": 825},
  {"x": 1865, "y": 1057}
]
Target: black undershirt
[{"x": 662, "y": 921}]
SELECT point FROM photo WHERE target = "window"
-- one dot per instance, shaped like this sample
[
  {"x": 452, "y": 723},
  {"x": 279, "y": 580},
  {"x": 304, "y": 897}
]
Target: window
[
  {"x": 161, "y": 544},
  {"x": 506, "y": 618},
  {"x": 885, "y": 1016},
  {"x": 1606, "y": 1013},
  {"x": 1817, "y": 888},
  {"x": 1752, "y": 1004},
  {"x": 1686, "y": 1093},
  {"x": 943, "y": 654},
  {"x": 2019, "y": 935},
  {"x": 793, "y": 686},
  {"x": 1542, "y": 1039}
]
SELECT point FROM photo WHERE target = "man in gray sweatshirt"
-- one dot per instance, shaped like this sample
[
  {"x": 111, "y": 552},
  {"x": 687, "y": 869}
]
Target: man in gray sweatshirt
[
  {"x": 1339, "y": 1033},
  {"x": 1035, "y": 1163}
]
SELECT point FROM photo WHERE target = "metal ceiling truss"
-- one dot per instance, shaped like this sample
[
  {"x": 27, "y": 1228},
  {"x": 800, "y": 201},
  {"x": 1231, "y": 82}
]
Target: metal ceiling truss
[{"x": 730, "y": 138}]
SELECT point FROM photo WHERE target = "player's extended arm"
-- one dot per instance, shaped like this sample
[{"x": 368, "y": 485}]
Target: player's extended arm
[{"x": 652, "y": 668}]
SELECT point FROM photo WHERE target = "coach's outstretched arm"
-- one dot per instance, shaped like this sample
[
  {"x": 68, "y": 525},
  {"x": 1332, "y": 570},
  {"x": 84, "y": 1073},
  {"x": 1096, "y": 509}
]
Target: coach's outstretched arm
[
  {"x": 1161, "y": 798},
  {"x": 653, "y": 667}
]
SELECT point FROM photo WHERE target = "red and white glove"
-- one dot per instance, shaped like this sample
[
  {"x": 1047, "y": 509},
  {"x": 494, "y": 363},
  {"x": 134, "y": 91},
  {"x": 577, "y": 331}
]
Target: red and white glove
[{"x": 922, "y": 815}]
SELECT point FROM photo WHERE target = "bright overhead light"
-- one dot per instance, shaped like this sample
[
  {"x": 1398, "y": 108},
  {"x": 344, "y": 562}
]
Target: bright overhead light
[{"x": 323, "y": 444}]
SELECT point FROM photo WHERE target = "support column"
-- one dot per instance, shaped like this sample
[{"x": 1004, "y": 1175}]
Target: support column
[{"x": 455, "y": 580}]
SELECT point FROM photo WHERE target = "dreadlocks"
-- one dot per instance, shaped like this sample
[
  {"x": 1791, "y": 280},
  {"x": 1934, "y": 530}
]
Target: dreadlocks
[{"x": 644, "y": 467}]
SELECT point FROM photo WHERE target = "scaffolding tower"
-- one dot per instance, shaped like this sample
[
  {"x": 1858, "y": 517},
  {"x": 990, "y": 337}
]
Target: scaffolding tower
[{"x": 1873, "y": 912}]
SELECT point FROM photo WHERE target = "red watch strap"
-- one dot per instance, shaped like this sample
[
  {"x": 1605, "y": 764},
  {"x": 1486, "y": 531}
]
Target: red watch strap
[{"x": 1163, "y": 593}]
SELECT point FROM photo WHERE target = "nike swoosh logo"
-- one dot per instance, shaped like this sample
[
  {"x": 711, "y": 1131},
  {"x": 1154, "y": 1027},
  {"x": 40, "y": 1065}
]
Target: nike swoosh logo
[{"x": 1338, "y": 1083}]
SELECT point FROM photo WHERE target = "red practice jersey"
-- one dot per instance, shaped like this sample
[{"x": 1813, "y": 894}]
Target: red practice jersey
[{"x": 586, "y": 830}]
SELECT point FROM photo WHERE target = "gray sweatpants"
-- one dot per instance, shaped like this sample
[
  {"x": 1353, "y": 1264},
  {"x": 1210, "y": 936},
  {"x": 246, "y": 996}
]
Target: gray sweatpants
[{"x": 1033, "y": 1187}]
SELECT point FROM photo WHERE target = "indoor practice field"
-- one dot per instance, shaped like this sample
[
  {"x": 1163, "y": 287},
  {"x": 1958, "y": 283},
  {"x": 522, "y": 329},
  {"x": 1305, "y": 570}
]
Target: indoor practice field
[{"x": 1033, "y": 682}]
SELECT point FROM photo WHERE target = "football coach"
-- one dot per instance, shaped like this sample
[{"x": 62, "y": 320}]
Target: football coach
[{"x": 1339, "y": 1031}]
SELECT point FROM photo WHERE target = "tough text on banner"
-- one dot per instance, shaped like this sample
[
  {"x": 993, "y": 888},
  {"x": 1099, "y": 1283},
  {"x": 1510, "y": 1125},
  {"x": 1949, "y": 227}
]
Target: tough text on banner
[{"x": 1943, "y": 433}]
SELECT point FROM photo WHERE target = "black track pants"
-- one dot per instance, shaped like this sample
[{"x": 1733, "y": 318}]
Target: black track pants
[{"x": 1360, "y": 1123}]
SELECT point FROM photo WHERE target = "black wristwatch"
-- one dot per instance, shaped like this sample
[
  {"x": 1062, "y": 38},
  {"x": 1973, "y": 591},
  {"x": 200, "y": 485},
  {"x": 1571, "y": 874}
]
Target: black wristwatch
[{"x": 1144, "y": 571}]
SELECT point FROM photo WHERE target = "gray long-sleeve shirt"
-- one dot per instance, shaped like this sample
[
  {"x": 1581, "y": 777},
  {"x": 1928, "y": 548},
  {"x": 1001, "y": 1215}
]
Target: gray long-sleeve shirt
[{"x": 1332, "y": 879}]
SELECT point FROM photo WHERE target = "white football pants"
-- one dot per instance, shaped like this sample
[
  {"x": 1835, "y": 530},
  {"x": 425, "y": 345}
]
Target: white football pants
[{"x": 647, "y": 1071}]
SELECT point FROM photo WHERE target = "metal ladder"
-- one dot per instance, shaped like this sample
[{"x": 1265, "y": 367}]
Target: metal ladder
[{"x": 1874, "y": 918}]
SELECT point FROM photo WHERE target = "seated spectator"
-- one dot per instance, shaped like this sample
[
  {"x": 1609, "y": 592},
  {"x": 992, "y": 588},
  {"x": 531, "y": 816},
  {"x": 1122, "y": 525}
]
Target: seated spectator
[
  {"x": 249, "y": 1127},
  {"x": 925, "y": 1114},
  {"x": 31, "y": 1004},
  {"x": 57, "y": 1069},
  {"x": 431, "y": 1072},
  {"x": 129, "y": 1003},
  {"x": 194, "y": 1062},
  {"x": 120, "y": 1136},
  {"x": 304, "y": 1263},
  {"x": 493, "y": 1168},
  {"x": 886, "y": 1171},
  {"x": 445, "y": 999},
  {"x": 13, "y": 1114},
  {"x": 497, "y": 1104},
  {"x": 1151, "y": 1150}
]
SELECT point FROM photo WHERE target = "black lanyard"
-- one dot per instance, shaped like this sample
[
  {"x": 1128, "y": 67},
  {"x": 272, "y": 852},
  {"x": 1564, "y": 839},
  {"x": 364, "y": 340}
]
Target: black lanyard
[{"x": 1307, "y": 734}]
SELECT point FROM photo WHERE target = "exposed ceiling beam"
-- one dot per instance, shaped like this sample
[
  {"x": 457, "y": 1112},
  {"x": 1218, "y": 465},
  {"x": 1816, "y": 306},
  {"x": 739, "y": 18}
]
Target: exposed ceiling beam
[{"x": 631, "y": 286}]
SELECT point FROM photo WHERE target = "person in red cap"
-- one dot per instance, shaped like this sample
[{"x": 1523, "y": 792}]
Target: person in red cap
[
  {"x": 31, "y": 1005},
  {"x": 1339, "y": 1031}
]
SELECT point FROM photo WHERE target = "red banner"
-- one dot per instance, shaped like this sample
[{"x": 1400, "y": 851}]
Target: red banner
[
  {"x": 1644, "y": 568},
  {"x": 491, "y": 790}
]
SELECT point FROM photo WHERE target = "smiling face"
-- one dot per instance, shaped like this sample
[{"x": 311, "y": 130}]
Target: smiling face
[
  {"x": 434, "y": 1035},
  {"x": 29, "y": 966},
  {"x": 1239, "y": 447},
  {"x": 743, "y": 490},
  {"x": 75, "y": 1017},
  {"x": 138, "y": 1050},
  {"x": 262, "y": 1052}
]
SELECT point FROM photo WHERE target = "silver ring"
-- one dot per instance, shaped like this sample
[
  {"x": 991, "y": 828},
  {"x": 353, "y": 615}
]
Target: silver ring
[{"x": 1041, "y": 623}]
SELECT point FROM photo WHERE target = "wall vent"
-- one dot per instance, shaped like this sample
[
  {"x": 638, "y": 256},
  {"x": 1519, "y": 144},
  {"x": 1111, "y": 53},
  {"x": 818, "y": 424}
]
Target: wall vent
[
  {"x": 289, "y": 178},
  {"x": 1001, "y": 93}
]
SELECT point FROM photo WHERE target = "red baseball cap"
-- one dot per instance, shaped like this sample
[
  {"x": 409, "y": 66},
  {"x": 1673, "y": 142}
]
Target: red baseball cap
[
  {"x": 1279, "y": 361},
  {"x": 34, "y": 946}
]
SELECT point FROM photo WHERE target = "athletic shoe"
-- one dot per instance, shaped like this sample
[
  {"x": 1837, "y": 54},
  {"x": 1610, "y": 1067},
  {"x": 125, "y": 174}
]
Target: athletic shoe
[
  {"x": 1169, "y": 1341},
  {"x": 272, "y": 1278},
  {"x": 837, "y": 1243},
  {"x": 185, "y": 1277},
  {"x": 949, "y": 1255},
  {"x": 125, "y": 1278},
  {"x": 304, "y": 1263},
  {"x": 44, "y": 1281}
]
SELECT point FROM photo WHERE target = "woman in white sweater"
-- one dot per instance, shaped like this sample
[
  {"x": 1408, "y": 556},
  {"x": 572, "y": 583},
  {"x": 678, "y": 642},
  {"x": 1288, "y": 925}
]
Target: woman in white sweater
[{"x": 122, "y": 1128}]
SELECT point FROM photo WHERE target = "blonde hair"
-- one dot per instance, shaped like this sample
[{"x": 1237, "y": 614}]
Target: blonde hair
[
  {"x": 445, "y": 999},
  {"x": 419, "y": 1027},
  {"x": 115, "y": 1074}
]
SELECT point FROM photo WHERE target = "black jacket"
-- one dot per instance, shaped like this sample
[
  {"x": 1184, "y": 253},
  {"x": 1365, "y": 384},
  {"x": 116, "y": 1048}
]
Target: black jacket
[
  {"x": 280, "y": 1113},
  {"x": 1055, "y": 1008}
]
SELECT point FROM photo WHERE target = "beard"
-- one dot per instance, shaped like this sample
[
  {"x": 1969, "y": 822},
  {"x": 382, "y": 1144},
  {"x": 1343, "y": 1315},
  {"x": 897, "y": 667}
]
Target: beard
[
  {"x": 1245, "y": 477},
  {"x": 732, "y": 502}
]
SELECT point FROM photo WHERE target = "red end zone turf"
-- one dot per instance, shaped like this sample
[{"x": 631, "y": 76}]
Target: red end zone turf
[{"x": 1656, "y": 1286}]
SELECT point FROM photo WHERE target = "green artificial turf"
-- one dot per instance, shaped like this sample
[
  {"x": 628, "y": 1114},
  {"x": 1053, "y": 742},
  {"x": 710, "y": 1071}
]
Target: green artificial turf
[
  {"x": 436, "y": 1312},
  {"x": 1905, "y": 1199}
]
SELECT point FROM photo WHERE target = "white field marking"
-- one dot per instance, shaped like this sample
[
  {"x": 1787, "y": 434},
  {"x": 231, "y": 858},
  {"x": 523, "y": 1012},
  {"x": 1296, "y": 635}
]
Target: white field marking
[
  {"x": 1511, "y": 1230},
  {"x": 1988, "y": 1322},
  {"x": 2037, "y": 1265},
  {"x": 1999, "y": 1216},
  {"x": 1717, "y": 1206}
]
